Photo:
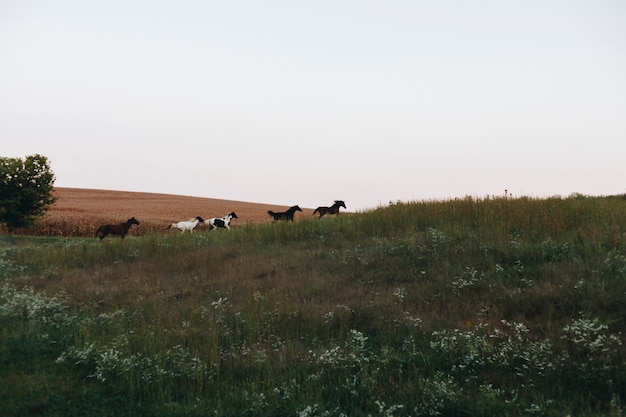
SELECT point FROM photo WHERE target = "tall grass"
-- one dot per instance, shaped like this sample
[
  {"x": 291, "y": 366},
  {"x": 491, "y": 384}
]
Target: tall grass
[{"x": 464, "y": 307}]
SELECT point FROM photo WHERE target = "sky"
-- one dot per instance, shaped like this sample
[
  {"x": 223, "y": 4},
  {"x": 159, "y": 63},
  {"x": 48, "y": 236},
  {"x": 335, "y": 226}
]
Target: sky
[{"x": 294, "y": 102}]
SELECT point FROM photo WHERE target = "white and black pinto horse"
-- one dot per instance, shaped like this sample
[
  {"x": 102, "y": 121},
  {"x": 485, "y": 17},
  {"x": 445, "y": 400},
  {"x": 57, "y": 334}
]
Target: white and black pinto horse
[
  {"x": 186, "y": 225},
  {"x": 221, "y": 222}
]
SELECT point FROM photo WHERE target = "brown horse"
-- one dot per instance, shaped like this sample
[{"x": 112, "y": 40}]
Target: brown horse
[
  {"x": 285, "y": 215},
  {"x": 115, "y": 229},
  {"x": 334, "y": 209}
]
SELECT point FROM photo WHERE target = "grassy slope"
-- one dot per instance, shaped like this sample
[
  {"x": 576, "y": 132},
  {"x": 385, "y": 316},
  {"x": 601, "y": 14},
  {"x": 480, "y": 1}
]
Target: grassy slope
[{"x": 465, "y": 307}]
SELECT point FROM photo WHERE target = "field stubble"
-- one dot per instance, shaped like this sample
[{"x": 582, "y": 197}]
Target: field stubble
[{"x": 79, "y": 212}]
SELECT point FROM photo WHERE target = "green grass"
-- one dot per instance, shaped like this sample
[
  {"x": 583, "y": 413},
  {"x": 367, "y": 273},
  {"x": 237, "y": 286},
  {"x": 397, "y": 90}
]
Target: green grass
[{"x": 468, "y": 307}]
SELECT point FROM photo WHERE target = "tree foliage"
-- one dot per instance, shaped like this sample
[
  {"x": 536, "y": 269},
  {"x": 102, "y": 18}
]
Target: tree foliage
[{"x": 25, "y": 190}]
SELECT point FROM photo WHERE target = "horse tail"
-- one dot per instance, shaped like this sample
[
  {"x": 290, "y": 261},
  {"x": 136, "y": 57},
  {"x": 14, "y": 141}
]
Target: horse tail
[
  {"x": 316, "y": 210},
  {"x": 102, "y": 231},
  {"x": 271, "y": 213},
  {"x": 169, "y": 226}
]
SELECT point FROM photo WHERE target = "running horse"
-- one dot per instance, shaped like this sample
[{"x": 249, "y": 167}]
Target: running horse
[
  {"x": 334, "y": 209},
  {"x": 186, "y": 225},
  {"x": 221, "y": 222},
  {"x": 116, "y": 229},
  {"x": 285, "y": 215}
]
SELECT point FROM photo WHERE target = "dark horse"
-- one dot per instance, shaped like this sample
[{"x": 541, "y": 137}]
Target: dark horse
[
  {"x": 334, "y": 209},
  {"x": 115, "y": 229},
  {"x": 285, "y": 215}
]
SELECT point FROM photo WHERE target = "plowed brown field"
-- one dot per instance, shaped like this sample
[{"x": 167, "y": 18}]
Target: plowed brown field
[{"x": 79, "y": 212}]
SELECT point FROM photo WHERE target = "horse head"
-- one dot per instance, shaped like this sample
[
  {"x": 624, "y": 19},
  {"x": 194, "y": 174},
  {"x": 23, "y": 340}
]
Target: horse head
[
  {"x": 132, "y": 220},
  {"x": 296, "y": 208},
  {"x": 233, "y": 215},
  {"x": 340, "y": 203},
  {"x": 200, "y": 219}
]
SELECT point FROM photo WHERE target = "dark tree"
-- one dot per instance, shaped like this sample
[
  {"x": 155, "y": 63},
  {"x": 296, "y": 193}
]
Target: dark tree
[{"x": 25, "y": 190}]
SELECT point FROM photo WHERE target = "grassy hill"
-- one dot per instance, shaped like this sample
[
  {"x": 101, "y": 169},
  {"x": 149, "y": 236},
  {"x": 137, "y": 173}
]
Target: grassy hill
[{"x": 468, "y": 307}]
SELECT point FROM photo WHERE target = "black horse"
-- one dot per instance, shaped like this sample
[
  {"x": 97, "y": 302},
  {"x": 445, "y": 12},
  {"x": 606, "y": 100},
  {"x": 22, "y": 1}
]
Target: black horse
[
  {"x": 334, "y": 209},
  {"x": 285, "y": 215},
  {"x": 115, "y": 229}
]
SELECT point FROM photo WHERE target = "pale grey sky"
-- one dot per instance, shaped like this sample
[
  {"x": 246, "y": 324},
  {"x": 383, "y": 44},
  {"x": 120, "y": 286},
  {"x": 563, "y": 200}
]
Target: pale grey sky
[{"x": 293, "y": 102}]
